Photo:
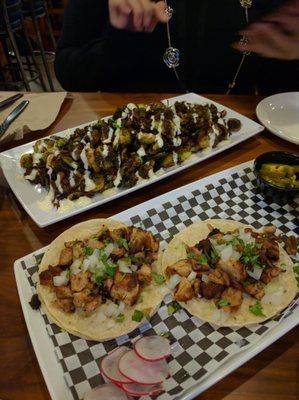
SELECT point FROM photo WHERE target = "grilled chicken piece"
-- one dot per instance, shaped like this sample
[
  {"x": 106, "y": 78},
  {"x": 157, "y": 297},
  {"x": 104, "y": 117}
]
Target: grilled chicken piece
[
  {"x": 86, "y": 301},
  {"x": 291, "y": 245},
  {"x": 220, "y": 277},
  {"x": 78, "y": 250},
  {"x": 181, "y": 267},
  {"x": 270, "y": 273},
  {"x": 119, "y": 233},
  {"x": 66, "y": 256},
  {"x": 234, "y": 298},
  {"x": 46, "y": 277},
  {"x": 211, "y": 290},
  {"x": 95, "y": 244},
  {"x": 126, "y": 288},
  {"x": 234, "y": 268},
  {"x": 80, "y": 281},
  {"x": 144, "y": 274},
  {"x": 141, "y": 240},
  {"x": 255, "y": 289},
  {"x": 118, "y": 252},
  {"x": 66, "y": 305},
  {"x": 63, "y": 292},
  {"x": 108, "y": 283},
  {"x": 184, "y": 291},
  {"x": 269, "y": 253}
]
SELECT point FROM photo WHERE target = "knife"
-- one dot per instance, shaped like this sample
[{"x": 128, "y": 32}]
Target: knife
[
  {"x": 10, "y": 100},
  {"x": 12, "y": 116}
]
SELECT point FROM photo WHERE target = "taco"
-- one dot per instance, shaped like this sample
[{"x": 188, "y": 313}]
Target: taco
[
  {"x": 98, "y": 280},
  {"x": 229, "y": 274}
]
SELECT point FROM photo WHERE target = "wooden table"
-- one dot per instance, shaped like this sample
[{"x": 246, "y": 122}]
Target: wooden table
[{"x": 273, "y": 374}]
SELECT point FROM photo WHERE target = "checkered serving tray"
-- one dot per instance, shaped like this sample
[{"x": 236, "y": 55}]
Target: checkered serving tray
[{"x": 199, "y": 349}]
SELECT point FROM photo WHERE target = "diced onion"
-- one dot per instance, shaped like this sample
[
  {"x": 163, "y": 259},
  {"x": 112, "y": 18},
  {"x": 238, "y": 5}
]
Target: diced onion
[
  {"x": 121, "y": 306},
  {"x": 205, "y": 278},
  {"x": 226, "y": 253},
  {"x": 61, "y": 280},
  {"x": 236, "y": 255},
  {"x": 228, "y": 237},
  {"x": 86, "y": 264},
  {"x": 255, "y": 273},
  {"x": 173, "y": 281},
  {"x": 246, "y": 237},
  {"x": 124, "y": 269},
  {"x": 112, "y": 310},
  {"x": 75, "y": 267},
  {"x": 134, "y": 268},
  {"x": 192, "y": 276},
  {"x": 109, "y": 249}
]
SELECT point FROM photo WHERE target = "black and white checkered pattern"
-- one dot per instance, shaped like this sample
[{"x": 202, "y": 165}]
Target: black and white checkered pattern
[{"x": 198, "y": 347}]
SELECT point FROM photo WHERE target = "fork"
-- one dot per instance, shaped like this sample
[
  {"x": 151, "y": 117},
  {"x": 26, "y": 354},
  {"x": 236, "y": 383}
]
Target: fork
[{"x": 12, "y": 116}]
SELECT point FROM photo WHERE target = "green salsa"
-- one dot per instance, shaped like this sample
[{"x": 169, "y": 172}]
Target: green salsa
[{"x": 286, "y": 176}]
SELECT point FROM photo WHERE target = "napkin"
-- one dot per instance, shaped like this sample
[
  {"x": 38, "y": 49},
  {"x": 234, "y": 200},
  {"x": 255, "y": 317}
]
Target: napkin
[{"x": 40, "y": 113}]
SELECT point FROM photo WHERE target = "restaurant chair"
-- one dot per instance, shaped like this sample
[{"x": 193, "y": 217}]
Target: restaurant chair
[
  {"x": 16, "y": 43},
  {"x": 37, "y": 9}
]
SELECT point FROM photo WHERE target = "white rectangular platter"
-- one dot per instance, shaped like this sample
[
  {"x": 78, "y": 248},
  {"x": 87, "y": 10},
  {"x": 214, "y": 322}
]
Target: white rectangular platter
[
  {"x": 30, "y": 196},
  {"x": 43, "y": 345}
]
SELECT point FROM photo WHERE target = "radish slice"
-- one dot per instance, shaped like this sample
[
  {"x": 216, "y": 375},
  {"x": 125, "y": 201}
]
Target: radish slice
[
  {"x": 105, "y": 392},
  {"x": 109, "y": 366},
  {"x": 152, "y": 348},
  {"x": 141, "y": 371},
  {"x": 134, "y": 389}
]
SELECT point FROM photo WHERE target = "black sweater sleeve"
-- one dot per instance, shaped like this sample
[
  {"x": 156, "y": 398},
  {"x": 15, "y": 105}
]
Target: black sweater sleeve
[{"x": 84, "y": 57}]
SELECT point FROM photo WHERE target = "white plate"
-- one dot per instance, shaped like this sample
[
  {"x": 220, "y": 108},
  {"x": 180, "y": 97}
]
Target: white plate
[
  {"x": 280, "y": 115},
  {"x": 43, "y": 345},
  {"x": 28, "y": 195}
]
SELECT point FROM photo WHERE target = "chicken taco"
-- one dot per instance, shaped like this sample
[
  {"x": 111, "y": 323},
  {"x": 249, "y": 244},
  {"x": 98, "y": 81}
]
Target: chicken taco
[
  {"x": 99, "y": 280},
  {"x": 229, "y": 274}
]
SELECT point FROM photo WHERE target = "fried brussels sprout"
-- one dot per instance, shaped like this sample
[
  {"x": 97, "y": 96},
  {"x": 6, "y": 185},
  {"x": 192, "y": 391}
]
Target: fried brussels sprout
[
  {"x": 168, "y": 161},
  {"x": 61, "y": 142},
  {"x": 146, "y": 138},
  {"x": 234, "y": 125},
  {"x": 92, "y": 160},
  {"x": 26, "y": 161},
  {"x": 203, "y": 141},
  {"x": 124, "y": 137},
  {"x": 184, "y": 155}
]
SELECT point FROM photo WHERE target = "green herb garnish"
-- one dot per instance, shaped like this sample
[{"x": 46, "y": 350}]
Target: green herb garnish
[
  {"x": 88, "y": 251},
  {"x": 257, "y": 309},
  {"x": 191, "y": 255},
  {"x": 115, "y": 125},
  {"x": 203, "y": 259},
  {"x": 223, "y": 303},
  {"x": 137, "y": 316},
  {"x": 173, "y": 308},
  {"x": 158, "y": 278},
  {"x": 110, "y": 268},
  {"x": 120, "y": 318},
  {"x": 249, "y": 256},
  {"x": 123, "y": 242},
  {"x": 296, "y": 271}
]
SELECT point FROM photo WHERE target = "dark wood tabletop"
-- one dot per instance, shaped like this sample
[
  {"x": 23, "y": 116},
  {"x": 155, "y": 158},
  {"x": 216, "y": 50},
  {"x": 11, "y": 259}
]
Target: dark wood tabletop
[{"x": 273, "y": 374}]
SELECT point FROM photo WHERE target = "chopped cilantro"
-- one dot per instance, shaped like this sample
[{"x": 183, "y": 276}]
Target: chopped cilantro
[
  {"x": 88, "y": 251},
  {"x": 173, "y": 308},
  {"x": 115, "y": 125},
  {"x": 214, "y": 256},
  {"x": 158, "y": 278},
  {"x": 120, "y": 318},
  {"x": 122, "y": 242},
  {"x": 98, "y": 277},
  {"x": 257, "y": 309},
  {"x": 110, "y": 268},
  {"x": 107, "y": 241},
  {"x": 203, "y": 259},
  {"x": 137, "y": 316},
  {"x": 94, "y": 237},
  {"x": 250, "y": 257},
  {"x": 190, "y": 254},
  {"x": 296, "y": 271},
  {"x": 223, "y": 303}
]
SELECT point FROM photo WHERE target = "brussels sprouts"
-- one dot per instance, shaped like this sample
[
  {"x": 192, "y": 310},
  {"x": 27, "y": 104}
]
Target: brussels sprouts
[
  {"x": 184, "y": 155},
  {"x": 146, "y": 138},
  {"x": 61, "y": 142},
  {"x": 26, "y": 161},
  {"x": 168, "y": 161},
  {"x": 124, "y": 137}
]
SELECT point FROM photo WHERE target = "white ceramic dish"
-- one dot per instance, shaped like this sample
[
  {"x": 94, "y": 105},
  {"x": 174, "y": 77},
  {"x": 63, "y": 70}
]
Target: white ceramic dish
[
  {"x": 43, "y": 345},
  {"x": 280, "y": 115},
  {"x": 30, "y": 196}
]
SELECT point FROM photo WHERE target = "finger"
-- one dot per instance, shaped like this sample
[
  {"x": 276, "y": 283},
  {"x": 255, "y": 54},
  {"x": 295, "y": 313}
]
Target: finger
[
  {"x": 161, "y": 15},
  {"x": 270, "y": 41},
  {"x": 148, "y": 12},
  {"x": 289, "y": 23},
  {"x": 152, "y": 25},
  {"x": 118, "y": 13},
  {"x": 137, "y": 12}
]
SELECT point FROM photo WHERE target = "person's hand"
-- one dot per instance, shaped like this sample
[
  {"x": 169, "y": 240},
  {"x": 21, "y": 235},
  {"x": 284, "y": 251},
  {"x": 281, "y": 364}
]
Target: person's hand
[
  {"x": 274, "y": 36},
  {"x": 137, "y": 15}
]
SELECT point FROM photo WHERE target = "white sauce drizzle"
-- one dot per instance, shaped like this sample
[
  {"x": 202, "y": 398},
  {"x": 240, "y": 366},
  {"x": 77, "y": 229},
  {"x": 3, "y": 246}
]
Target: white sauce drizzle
[
  {"x": 89, "y": 183},
  {"x": 58, "y": 184},
  {"x": 32, "y": 175},
  {"x": 110, "y": 134},
  {"x": 83, "y": 156},
  {"x": 141, "y": 152}
]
